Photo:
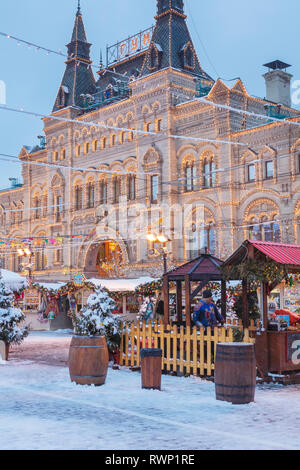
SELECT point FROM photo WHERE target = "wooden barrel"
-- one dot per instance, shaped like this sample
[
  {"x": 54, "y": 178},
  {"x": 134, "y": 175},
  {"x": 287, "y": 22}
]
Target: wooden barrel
[
  {"x": 235, "y": 373},
  {"x": 88, "y": 360},
  {"x": 151, "y": 368}
]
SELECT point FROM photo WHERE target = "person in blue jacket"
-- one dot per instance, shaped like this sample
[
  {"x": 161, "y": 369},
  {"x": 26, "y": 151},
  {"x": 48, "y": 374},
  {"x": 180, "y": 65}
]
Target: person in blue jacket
[{"x": 206, "y": 313}]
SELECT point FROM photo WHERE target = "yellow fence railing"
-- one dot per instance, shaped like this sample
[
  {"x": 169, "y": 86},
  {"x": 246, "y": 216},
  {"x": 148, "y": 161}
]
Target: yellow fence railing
[
  {"x": 187, "y": 351},
  {"x": 253, "y": 326}
]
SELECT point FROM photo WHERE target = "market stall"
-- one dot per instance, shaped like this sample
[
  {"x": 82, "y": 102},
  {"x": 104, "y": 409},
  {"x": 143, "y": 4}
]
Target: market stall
[
  {"x": 49, "y": 306},
  {"x": 271, "y": 269},
  {"x": 190, "y": 279},
  {"x": 40, "y": 304}
]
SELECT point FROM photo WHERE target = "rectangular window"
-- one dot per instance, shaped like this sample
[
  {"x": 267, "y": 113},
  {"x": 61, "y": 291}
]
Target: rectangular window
[
  {"x": 58, "y": 256},
  {"x": 77, "y": 150},
  {"x": 207, "y": 175},
  {"x": 103, "y": 143},
  {"x": 154, "y": 188},
  {"x": 158, "y": 123},
  {"x": 131, "y": 188},
  {"x": 58, "y": 208},
  {"x": 269, "y": 170},
  {"x": 147, "y": 127},
  {"x": 117, "y": 189},
  {"x": 91, "y": 196},
  {"x": 103, "y": 192},
  {"x": 251, "y": 172},
  {"x": 190, "y": 175},
  {"x": 130, "y": 136}
]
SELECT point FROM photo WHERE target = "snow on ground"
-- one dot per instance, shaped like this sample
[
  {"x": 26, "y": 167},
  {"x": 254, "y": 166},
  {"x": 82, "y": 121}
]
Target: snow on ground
[{"x": 41, "y": 409}]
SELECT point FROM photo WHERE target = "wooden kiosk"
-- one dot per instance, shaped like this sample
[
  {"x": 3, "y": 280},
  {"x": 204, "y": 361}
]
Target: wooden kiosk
[
  {"x": 201, "y": 270},
  {"x": 275, "y": 350}
]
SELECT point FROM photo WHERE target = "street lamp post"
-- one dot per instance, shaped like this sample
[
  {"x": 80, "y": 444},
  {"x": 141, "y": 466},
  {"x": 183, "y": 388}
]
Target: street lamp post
[
  {"x": 27, "y": 252},
  {"x": 163, "y": 251}
]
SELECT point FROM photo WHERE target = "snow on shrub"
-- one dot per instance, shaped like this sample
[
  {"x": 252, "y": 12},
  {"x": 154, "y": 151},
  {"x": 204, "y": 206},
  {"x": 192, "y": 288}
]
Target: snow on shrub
[
  {"x": 97, "y": 319},
  {"x": 10, "y": 317}
]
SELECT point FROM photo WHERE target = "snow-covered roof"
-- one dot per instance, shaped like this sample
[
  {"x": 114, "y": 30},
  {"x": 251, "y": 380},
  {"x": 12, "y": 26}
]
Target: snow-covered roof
[
  {"x": 51, "y": 285},
  {"x": 122, "y": 285},
  {"x": 13, "y": 280}
]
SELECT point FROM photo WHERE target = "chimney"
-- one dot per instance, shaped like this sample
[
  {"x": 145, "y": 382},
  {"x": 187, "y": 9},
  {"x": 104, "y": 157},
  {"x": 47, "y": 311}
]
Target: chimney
[{"x": 278, "y": 83}]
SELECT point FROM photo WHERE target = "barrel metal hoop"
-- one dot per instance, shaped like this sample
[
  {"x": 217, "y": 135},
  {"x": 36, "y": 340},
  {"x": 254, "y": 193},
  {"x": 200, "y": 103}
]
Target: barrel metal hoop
[
  {"x": 87, "y": 376},
  {"x": 231, "y": 397},
  {"x": 236, "y": 386}
]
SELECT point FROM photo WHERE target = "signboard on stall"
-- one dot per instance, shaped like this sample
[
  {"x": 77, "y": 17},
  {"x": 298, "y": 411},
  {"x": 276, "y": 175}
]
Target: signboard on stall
[
  {"x": 32, "y": 299},
  {"x": 293, "y": 347},
  {"x": 79, "y": 279}
]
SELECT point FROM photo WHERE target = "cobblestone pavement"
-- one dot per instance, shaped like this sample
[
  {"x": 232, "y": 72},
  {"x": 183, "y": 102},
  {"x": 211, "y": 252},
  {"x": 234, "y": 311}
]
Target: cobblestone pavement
[{"x": 43, "y": 348}]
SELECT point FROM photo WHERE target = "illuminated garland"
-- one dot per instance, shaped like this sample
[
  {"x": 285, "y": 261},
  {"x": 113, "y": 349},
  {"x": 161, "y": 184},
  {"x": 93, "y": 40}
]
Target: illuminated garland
[
  {"x": 149, "y": 288},
  {"x": 253, "y": 270}
]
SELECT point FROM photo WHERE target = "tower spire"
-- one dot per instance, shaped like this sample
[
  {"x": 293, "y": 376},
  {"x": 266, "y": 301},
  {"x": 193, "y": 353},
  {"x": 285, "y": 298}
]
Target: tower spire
[
  {"x": 78, "y": 79},
  {"x": 171, "y": 45}
]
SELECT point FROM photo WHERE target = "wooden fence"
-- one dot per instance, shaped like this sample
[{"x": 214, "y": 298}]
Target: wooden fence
[{"x": 186, "y": 351}]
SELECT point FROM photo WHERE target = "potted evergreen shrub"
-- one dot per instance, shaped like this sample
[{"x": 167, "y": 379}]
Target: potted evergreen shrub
[
  {"x": 10, "y": 317},
  {"x": 97, "y": 331}
]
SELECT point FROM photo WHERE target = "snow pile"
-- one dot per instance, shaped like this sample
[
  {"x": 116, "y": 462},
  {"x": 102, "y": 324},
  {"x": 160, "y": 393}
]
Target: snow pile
[
  {"x": 13, "y": 281},
  {"x": 96, "y": 319}
]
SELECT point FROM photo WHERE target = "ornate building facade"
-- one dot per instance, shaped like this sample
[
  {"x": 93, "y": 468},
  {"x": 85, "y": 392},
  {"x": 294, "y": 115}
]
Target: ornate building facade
[{"x": 143, "y": 141}]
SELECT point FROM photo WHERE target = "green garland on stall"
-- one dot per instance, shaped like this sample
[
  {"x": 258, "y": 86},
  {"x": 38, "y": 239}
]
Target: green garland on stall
[
  {"x": 149, "y": 288},
  {"x": 257, "y": 271}
]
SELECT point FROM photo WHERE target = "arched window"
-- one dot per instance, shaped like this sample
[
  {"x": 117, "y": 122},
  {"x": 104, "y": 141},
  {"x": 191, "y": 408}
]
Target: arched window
[
  {"x": 103, "y": 192},
  {"x": 95, "y": 145},
  {"x": 45, "y": 204},
  {"x": 113, "y": 140},
  {"x": 153, "y": 58},
  {"x": 58, "y": 207},
  {"x": 122, "y": 137},
  {"x": 158, "y": 124},
  {"x": 90, "y": 195},
  {"x": 251, "y": 173},
  {"x": 40, "y": 259},
  {"x": 202, "y": 240},
  {"x": 86, "y": 148},
  {"x": 37, "y": 207},
  {"x": 130, "y": 135},
  {"x": 103, "y": 143},
  {"x": 190, "y": 176},
  {"x": 209, "y": 176},
  {"x": 189, "y": 56},
  {"x": 131, "y": 187},
  {"x": 154, "y": 189},
  {"x": 117, "y": 189},
  {"x": 78, "y": 197},
  {"x": 63, "y": 154},
  {"x": 77, "y": 150},
  {"x": 265, "y": 229}
]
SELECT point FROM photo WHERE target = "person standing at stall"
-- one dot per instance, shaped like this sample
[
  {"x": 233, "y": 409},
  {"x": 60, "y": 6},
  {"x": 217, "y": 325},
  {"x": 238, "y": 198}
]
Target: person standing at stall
[{"x": 206, "y": 314}]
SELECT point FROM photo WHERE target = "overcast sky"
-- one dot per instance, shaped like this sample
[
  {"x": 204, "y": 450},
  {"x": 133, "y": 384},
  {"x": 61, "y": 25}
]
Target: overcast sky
[{"x": 233, "y": 38}]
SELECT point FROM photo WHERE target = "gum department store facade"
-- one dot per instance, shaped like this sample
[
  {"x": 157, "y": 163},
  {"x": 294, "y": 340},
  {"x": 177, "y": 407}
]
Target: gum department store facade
[{"x": 153, "y": 84}]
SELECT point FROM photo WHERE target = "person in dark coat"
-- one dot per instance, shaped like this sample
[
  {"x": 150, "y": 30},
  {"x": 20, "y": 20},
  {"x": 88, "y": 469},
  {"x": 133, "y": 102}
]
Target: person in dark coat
[{"x": 159, "y": 308}]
